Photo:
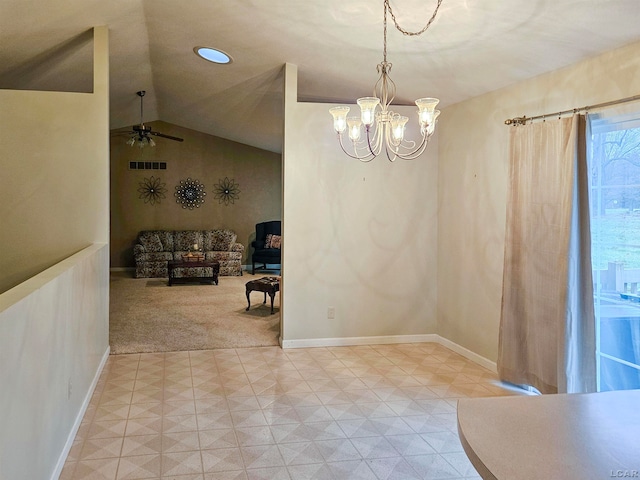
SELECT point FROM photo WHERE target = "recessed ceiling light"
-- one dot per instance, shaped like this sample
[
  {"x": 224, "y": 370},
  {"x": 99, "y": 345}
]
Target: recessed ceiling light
[{"x": 213, "y": 55}]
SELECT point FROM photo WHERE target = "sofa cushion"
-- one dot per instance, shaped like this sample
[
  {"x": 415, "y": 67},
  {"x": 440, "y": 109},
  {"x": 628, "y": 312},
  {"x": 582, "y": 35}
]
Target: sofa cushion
[
  {"x": 184, "y": 240},
  {"x": 219, "y": 240},
  {"x": 166, "y": 238},
  {"x": 207, "y": 240},
  {"x": 150, "y": 241},
  {"x": 223, "y": 256}
]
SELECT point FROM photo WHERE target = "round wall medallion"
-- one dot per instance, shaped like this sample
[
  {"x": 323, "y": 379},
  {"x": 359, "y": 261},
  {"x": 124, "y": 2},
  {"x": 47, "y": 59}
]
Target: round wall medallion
[
  {"x": 226, "y": 191},
  {"x": 152, "y": 190},
  {"x": 190, "y": 193}
]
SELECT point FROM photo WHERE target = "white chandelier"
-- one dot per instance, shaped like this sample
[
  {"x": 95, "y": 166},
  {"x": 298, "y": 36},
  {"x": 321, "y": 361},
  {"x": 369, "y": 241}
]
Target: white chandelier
[{"x": 385, "y": 128}]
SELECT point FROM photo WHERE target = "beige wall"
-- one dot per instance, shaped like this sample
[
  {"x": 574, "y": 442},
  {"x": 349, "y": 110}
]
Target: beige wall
[
  {"x": 54, "y": 323},
  {"x": 360, "y": 237},
  {"x": 473, "y": 171},
  {"x": 54, "y": 340},
  {"x": 54, "y": 180},
  {"x": 202, "y": 157}
]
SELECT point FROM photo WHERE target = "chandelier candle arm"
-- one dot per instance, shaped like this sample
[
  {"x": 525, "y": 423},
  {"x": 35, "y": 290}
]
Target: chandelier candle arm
[
  {"x": 383, "y": 127},
  {"x": 363, "y": 157}
]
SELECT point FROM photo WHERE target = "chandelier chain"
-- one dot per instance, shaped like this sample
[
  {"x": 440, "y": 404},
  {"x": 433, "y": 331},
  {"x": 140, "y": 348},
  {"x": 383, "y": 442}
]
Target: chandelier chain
[
  {"x": 384, "y": 51},
  {"x": 406, "y": 32}
]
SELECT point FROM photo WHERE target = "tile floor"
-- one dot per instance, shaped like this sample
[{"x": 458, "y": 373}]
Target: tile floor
[{"x": 364, "y": 412}]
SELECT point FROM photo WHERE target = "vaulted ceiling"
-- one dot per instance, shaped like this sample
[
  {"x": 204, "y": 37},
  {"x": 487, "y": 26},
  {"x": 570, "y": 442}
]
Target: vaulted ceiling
[{"x": 474, "y": 46}]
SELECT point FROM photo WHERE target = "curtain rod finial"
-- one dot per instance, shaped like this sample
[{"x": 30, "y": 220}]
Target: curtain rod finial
[{"x": 516, "y": 121}]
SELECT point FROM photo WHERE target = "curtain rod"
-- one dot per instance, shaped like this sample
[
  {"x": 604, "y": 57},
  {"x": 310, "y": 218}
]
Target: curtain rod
[{"x": 524, "y": 119}]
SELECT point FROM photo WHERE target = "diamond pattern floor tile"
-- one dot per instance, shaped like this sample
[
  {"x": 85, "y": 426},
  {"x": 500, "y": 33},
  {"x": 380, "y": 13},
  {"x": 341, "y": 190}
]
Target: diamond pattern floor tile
[
  {"x": 363, "y": 412},
  {"x": 139, "y": 467},
  {"x": 142, "y": 445}
]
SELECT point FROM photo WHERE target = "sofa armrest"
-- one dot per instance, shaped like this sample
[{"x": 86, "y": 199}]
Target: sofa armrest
[
  {"x": 138, "y": 249},
  {"x": 237, "y": 247}
]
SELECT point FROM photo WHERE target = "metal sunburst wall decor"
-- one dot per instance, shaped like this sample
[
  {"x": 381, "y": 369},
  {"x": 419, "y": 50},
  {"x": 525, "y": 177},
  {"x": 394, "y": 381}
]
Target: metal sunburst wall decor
[
  {"x": 226, "y": 191},
  {"x": 152, "y": 190},
  {"x": 190, "y": 193}
]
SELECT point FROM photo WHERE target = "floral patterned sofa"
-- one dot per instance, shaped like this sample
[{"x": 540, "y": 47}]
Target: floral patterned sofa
[{"x": 155, "y": 247}]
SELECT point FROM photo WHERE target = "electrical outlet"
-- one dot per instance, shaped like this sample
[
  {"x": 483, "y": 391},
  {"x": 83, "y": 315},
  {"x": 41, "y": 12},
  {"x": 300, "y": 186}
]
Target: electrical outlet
[
  {"x": 331, "y": 312},
  {"x": 69, "y": 389}
]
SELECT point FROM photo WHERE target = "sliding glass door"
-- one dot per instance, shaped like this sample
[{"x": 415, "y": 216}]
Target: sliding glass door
[{"x": 614, "y": 166}]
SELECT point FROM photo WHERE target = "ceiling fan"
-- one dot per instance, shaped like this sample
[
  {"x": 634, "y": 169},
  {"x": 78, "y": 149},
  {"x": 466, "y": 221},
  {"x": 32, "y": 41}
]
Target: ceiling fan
[{"x": 141, "y": 134}]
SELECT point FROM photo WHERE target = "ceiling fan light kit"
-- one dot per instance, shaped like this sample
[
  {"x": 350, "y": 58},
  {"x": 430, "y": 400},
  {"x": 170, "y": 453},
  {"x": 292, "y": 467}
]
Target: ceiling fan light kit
[
  {"x": 385, "y": 129},
  {"x": 141, "y": 134},
  {"x": 141, "y": 139}
]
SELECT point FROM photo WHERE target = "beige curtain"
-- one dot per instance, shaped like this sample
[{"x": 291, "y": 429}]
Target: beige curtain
[{"x": 547, "y": 324}]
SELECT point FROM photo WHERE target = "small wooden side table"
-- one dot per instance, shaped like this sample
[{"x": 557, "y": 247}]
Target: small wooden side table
[{"x": 268, "y": 285}]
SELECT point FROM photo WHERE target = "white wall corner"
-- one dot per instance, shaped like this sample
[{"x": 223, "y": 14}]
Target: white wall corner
[{"x": 468, "y": 354}]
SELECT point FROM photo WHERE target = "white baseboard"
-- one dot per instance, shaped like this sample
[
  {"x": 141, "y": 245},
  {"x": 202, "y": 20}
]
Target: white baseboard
[
  {"x": 83, "y": 409},
  {"x": 350, "y": 341},
  {"x": 391, "y": 339}
]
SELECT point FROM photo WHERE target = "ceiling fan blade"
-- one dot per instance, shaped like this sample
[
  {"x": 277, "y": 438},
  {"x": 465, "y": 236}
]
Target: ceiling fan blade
[
  {"x": 158, "y": 134},
  {"x": 123, "y": 132}
]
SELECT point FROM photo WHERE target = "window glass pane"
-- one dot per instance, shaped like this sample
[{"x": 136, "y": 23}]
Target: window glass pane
[
  {"x": 619, "y": 334},
  {"x": 617, "y": 376},
  {"x": 614, "y": 170}
]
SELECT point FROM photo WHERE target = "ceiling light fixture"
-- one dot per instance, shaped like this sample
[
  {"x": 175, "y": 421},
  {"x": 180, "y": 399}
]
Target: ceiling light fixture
[
  {"x": 141, "y": 134},
  {"x": 385, "y": 128},
  {"x": 213, "y": 55}
]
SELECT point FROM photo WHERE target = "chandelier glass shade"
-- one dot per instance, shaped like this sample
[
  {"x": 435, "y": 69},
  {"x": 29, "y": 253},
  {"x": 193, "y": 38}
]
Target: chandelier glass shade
[{"x": 384, "y": 129}]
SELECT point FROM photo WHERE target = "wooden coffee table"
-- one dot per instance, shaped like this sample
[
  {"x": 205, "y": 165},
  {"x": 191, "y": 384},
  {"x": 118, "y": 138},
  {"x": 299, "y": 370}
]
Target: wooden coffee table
[
  {"x": 213, "y": 264},
  {"x": 268, "y": 285}
]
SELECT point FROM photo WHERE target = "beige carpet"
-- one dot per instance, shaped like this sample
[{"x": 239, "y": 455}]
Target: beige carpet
[{"x": 146, "y": 315}]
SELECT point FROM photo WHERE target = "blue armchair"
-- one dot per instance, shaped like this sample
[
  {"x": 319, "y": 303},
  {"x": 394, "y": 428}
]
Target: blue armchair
[{"x": 263, "y": 253}]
